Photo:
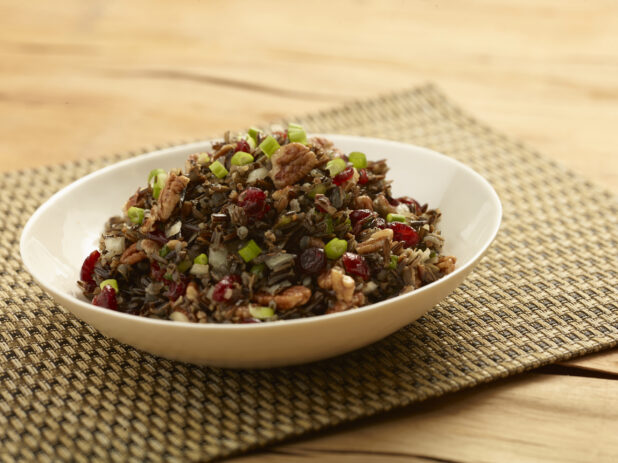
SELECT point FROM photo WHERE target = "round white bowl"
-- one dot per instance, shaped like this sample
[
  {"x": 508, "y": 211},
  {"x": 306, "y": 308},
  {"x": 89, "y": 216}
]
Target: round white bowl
[{"x": 64, "y": 230}]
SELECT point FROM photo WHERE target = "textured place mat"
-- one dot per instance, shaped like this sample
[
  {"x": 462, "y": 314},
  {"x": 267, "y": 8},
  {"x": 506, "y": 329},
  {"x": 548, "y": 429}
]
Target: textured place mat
[{"x": 546, "y": 291}]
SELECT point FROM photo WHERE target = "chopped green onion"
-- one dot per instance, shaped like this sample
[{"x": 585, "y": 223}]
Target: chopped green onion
[
  {"x": 184, "y": 266},
  {"x": 164, "y": 251},
  {"x": 261, "y": 312},
  {"x": 395, "y": 218},
  {"x": 203, "y": 158},
  {"x": 111, "y": 282},
  {"x": 257, "y": 269},
  {"x": 157, "y": 179},
  {"x": 335, "y": 166},
  {"x": 296, "y": 133},
  {"x": 168, "y": 277},
  {"x": 394, "y": 261},
  {"x": 241, "y": 158},
  {"x": 432, "y": 254},
  {"x": 358, "y": 159},
  {"x": 218, "y": 169},
  {"x": 202, "y": 259},
  {"x": 250, "y": 251},
  {"x": 136, "y": 215},
  {"x": 269, "y": 146},
  {"x": 154, "y": 174},
  {"x": 251, "y": 141},
  {"x": 253, "y": 133},
  {"x": 318, "y": 189},
  {"x": 335, "y": 248}
]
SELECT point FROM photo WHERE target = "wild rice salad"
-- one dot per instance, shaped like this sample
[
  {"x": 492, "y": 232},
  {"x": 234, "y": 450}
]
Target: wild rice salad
[{"x": 264, "y": 227}]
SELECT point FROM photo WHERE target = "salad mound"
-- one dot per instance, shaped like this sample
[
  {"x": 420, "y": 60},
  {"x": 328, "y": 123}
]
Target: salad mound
[{"x": 263, "y": 227}]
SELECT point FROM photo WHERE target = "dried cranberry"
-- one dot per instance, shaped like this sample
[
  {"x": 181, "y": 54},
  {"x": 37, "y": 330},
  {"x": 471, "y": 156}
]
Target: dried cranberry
[
  {"x": 177, "y": 288},
  {"x": 405, "y": 233},
  {"x": 312, "y": 260},
  {"x": 362, "y": 176},
  {"x": 343, "y": 176},
  {"x": 412, "y": 204},
  {"x": 253, "y": 201},
  {"x": 88, "y": 266},
  {"x": 359, "y": 214},
  {"x": 106, "y": 298},
  {"x": 156, "y": 272},
  {"x": 221, "y": 293},
  {"x": 243, "y": 145},
  {"x": 356, "y": 265}
]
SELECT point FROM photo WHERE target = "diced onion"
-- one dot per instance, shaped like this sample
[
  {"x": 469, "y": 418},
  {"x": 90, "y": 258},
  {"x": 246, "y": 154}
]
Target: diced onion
[
  {"x": 257, "y": 174},
  {"x": 217, "y": 257},
  {"x": 199, "y": 270},
  {"x": 114, "y": 245},
  {"x": 278, "y": 260}
]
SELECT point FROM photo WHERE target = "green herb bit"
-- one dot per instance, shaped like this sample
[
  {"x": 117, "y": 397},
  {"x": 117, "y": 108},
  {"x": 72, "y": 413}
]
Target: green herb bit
[
  {"x": 250, "y": 251},
  {"x": 394, "y": 261},
  {"x": 395, "y": 218},
  {"x": 184, "y": 266},
  {"x": 335, "y": 248},
  {"x": 335, "y": 166},
  {"x": 157, "y": 179},
  {"x": 257, "y": 269},
  {"x": 318, "y": 189},
  {"x": 241, "y": 158},
  {"x": 218, "y": 169},
  {"x": 296, "y": 133},
  {"x": 269, "y": 146},
  {"x": 202, "y": 259},
  {"x": 261, "y": 313},
  {"x": 164, "y": 251},
  {"x": 358, "y": 159},
  {"x": 136, "y": 215},
  {"x": 111, "y": 282}
]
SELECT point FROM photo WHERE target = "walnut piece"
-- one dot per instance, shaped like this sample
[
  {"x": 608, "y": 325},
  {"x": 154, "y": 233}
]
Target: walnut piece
[
  {"x": 357, "y": 300},
  {"x": 363, "y": 202},
  {"x": 343, "y": 285},
  {"x": 287, "y": 299},
  {"x": 291, "y": 163},
  {"x": 132, "y": 255}
]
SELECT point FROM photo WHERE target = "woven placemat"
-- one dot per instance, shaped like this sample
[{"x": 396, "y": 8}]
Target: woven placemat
[{"x": 546, "y": 291}]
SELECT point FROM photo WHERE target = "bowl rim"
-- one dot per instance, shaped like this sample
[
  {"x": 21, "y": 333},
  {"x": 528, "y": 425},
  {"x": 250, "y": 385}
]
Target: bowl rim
[{"x": 275, "y": 325}]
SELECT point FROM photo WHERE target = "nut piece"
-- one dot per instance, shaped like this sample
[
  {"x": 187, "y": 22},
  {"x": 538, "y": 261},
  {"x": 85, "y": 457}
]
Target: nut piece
[
  {"x": 357, "y": 300},
  {"x": 323, "y": 203},
  {"x": 167, "y": 202},
  {"x": 132, "y": 255},
  {"x": 382, "y": 206},
  {"x": 382, "y": 239},
  {"x": 446, "y": 264},
  {"x": 286, "y": 300},
  {"x": 282, "y": 198},
  {"x": 291, "y": 163},
  {"x": 192, "y": 292},
  {"x": 325, "y": 281},
  {"x": 363, "y": 202},
  {"x": 150, "y": 247},
  {"x": 343, "y": 285}
]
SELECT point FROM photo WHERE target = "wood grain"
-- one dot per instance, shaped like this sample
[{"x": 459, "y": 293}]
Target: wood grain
[
  {"x": 84, "y": 79},
  {"x": 530, "y": 419}
]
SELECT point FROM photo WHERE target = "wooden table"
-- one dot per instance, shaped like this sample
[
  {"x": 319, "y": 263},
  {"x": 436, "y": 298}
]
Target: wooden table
[{"x": 92, "y": 78}]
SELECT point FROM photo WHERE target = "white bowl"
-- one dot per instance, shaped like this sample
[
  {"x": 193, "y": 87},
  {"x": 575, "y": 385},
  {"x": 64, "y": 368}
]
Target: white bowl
[{"x": 64, "y": 230}]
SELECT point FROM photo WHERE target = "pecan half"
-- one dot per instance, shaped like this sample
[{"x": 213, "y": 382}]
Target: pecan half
[
  {"x": 167, "y": 202},
  {"x": 287, "y": 299},
  {"x": 132, "y": 255},
  {"x": 291, "y": 163}
]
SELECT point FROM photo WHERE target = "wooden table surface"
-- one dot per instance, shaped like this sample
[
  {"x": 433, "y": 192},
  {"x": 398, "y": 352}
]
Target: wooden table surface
[{"x": 84, "y": 79}]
